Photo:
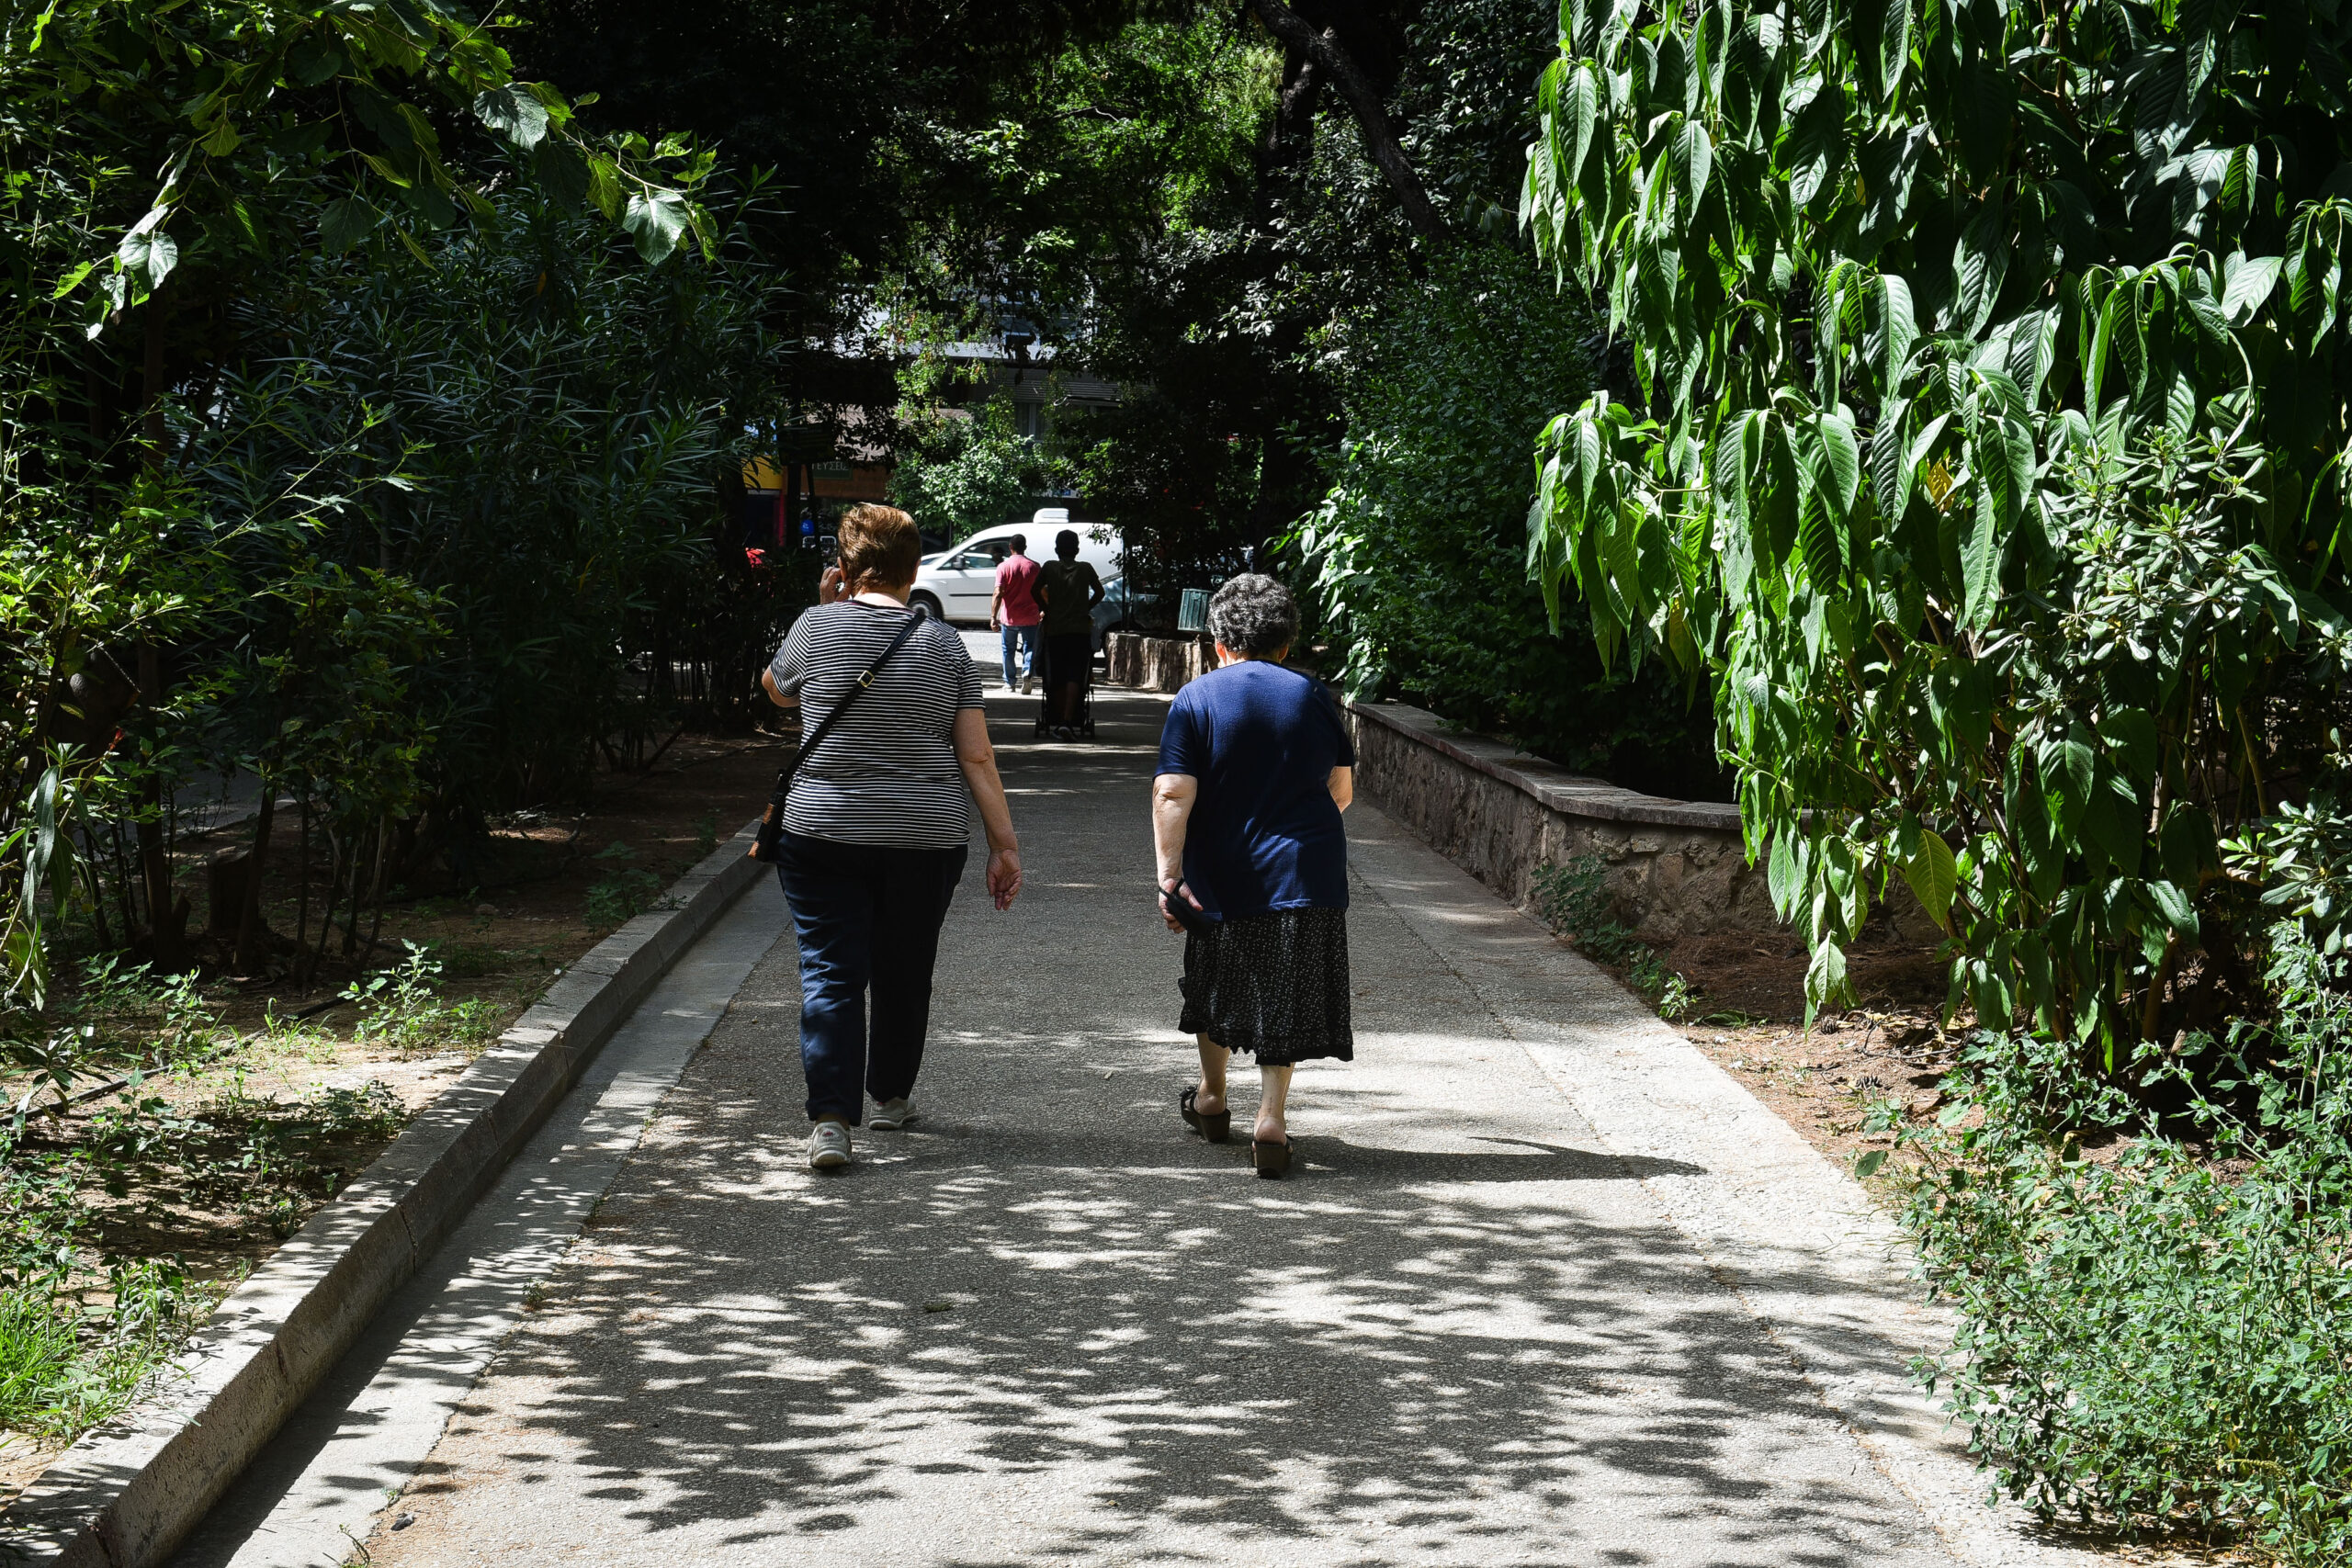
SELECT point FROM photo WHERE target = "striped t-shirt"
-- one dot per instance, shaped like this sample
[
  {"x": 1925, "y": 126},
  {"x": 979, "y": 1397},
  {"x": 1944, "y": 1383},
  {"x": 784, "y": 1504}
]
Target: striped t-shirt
[{"x": 887, "y": 773}]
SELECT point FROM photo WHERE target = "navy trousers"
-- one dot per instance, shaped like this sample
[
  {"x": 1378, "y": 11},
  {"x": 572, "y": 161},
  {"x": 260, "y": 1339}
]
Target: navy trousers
[{"x": 867, "y": 919}]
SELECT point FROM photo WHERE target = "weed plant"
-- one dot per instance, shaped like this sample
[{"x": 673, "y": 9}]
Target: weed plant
[
  {"x": 2162, "y": 1341},
  {"x": 1574, "y": 898},
  {"x": 63, "y": 1370},
  {"x": 624, "y": 893},
  {"x": 402, "y": 1007},
  {"x": 123, "y": 1020}
]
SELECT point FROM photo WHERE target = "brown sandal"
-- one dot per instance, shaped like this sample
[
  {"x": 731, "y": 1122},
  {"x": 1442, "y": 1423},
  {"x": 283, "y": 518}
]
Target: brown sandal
[
  {"x": 1216, "y": 1127},
  {"x": 1273, "y": 1160}
]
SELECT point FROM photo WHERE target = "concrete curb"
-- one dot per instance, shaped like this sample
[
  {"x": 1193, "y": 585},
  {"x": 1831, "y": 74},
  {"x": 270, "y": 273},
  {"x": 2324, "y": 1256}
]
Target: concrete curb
[{"x": 126, "y": 1493}]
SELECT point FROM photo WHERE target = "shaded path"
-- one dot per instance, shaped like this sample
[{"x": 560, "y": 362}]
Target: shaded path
[{"x": 1046, "y": 1326}]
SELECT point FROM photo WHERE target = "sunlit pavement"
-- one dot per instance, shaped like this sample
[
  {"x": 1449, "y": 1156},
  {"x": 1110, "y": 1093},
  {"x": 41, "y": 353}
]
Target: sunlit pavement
[{"x": 1543, "y": 1290}]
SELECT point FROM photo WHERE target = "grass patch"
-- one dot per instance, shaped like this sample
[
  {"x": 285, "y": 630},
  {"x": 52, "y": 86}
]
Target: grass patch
[{"x": 140, "y": 1132}]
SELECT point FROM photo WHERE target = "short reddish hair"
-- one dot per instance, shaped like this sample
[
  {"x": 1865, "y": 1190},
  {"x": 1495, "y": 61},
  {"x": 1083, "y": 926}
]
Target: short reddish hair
[{"x": 879, "y": 547}]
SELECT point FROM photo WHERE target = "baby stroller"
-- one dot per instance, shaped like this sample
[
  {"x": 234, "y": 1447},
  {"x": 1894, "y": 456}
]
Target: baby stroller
[{"x": 1082, "y": 724}]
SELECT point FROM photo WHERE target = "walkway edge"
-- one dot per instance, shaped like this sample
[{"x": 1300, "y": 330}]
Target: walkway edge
[{"x": 126, "y": 1493}]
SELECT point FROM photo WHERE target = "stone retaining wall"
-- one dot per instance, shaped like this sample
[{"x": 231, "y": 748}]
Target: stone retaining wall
[{"x": 1674, "y": 866}]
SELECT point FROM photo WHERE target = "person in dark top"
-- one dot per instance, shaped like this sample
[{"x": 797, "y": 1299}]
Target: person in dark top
[
  {"x": 1070, "y": 589},
  {"x": 1255, "y": 767}
]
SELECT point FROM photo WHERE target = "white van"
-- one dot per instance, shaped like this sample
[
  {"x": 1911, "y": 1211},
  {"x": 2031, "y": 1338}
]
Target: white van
[{"x": 957, "y": 585}]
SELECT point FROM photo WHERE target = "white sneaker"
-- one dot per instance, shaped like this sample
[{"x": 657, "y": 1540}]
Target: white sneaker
[
  {"x": 891, "y": 1115},
  {"x": 828, "y": 1146}
]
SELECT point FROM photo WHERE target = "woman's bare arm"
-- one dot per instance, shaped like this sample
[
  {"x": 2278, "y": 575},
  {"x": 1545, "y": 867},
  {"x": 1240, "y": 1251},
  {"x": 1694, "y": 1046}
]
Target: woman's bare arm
[
  {"x": 977, "y": 757},
  {"x": 1343, "y": 787},
  {"x": 1172, "y": 797}
]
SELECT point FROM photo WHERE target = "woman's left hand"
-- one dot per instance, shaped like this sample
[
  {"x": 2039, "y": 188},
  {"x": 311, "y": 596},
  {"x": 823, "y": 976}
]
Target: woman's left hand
[
  {"x": 1005, "y": 877},
  {"x": 1174, "y": 887}
]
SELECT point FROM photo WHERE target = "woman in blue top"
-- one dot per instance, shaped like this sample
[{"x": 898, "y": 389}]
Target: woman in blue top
[{"x": 1255, "y": 768}]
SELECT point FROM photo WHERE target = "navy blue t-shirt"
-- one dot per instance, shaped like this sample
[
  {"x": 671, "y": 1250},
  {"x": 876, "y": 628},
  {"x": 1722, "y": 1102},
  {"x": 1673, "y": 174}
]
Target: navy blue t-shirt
[{"x": 1265, "y": 833}]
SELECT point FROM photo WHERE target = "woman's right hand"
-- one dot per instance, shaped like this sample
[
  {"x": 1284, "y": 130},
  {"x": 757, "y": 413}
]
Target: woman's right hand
[{"x": 832, "y": 587}]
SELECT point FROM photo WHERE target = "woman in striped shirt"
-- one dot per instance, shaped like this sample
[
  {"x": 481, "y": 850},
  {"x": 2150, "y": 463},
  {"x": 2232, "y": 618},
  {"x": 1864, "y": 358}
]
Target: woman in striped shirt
[{"x": 877, "y": 824}]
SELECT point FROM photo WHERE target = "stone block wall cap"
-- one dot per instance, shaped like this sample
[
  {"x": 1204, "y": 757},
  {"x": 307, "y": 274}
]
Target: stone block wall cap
[{"x": 1570, "y": 793}]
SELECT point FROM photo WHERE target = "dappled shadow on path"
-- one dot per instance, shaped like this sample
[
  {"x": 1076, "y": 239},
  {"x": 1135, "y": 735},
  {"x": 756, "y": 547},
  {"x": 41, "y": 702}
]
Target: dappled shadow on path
[
  {"x": 1052, "y": 1328},
  {"x": 1406, "y": 1356}
]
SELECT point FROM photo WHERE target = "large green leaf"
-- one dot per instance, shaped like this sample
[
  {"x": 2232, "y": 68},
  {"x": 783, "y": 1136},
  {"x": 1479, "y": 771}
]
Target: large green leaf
[
  {"x": 656, "y": 219},
  {"x": 515, "y": 113},
  {"x": 1894, "y": 331},
  {"x": 345, "y": 222},
  {"x": 1841, "y": 460},
  {"x": 1981, "y": 558},
  {"x": 2174, "y": 905},
  {"x": 1694, "y": 158},
  {"x": 1881, "y": 39},
  {"x": 1933, "y": 875},
  {"x": 1824, "y": 980},
  {"x": 1889, "y": 473},
  {"x": 1729, "y": 464},
  {"x": 2246, "y": 286},
  {"x": 1580, "y": 104},
  {"x": 1816, "y": 144}
]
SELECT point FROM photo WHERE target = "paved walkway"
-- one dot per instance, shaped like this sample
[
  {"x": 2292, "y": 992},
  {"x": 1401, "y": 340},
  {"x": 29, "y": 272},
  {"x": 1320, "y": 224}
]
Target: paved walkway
[{"x": 1549, "y": 1288}]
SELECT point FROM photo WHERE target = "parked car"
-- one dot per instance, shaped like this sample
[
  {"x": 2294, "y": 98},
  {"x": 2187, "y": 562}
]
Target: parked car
[
  {"x": 1118, "y": 602},
  {"x": 956, "y": 585}
]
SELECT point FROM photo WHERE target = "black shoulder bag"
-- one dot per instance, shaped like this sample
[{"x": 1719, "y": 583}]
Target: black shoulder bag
[{"x": 767, "y": 845}]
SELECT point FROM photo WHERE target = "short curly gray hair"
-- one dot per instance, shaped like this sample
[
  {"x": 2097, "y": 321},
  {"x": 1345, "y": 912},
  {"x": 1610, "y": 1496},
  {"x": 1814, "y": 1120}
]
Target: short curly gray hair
[{"x": 1253, "y": 616}]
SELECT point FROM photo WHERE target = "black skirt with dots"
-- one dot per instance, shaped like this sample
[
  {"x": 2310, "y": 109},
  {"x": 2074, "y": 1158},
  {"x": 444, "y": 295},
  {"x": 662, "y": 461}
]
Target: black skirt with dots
[{"x": 1273, "y": 984}]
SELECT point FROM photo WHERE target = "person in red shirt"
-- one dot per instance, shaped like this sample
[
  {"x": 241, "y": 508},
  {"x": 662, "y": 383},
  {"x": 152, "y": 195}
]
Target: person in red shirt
[{"x": 1014, "y": 611}]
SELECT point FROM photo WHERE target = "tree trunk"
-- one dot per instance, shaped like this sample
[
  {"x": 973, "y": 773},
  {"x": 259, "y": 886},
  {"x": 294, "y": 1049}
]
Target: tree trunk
[
  {"x": 318, "y": 955},
  {"x": 1363, "y": 101},
  {"x": 249, "y": 926},
  {"x": 302, "y": 884},
  {"x": 98, "y": 884},
  {"x": 154, "y": 856},
  {"x": 376, "y": 897},
  {"x": 120, "y": 866},
  {"x": 155, "y": 859}
]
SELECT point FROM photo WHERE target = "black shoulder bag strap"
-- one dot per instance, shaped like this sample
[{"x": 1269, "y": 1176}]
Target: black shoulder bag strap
[{"x": 767, "y": 845}]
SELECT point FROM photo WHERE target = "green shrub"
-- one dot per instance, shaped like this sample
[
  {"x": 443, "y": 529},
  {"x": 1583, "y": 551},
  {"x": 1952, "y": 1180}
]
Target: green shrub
[
  {"x": 1417, "y": 551},
  {"x": 1988, "y": 459},
  {"x": 2162, "y": 1340},
  {"x": 964, "y": 475}
]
